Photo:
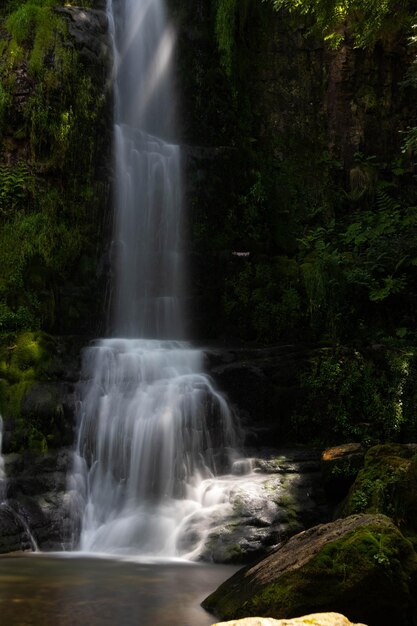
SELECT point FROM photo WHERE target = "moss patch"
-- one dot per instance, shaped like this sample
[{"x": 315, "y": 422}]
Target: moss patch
[
  {"x": 55, "y": 125},
  {"x": 387, "y": 484},
  {"x": 25, "y": 360}
]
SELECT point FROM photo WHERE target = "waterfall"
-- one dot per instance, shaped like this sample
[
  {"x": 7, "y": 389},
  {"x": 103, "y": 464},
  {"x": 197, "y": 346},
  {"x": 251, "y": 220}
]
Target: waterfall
[{"x": 152, "y": 427}]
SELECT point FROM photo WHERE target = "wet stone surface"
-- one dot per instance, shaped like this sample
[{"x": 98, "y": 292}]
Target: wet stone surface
[{"x": 270, "y": 496}]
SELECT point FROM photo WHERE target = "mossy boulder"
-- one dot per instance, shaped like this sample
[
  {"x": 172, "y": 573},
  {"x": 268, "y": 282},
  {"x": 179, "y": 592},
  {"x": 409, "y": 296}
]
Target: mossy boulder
[
  {"x": 387, "y": 484},
  {"x": 361, "y": 566}
]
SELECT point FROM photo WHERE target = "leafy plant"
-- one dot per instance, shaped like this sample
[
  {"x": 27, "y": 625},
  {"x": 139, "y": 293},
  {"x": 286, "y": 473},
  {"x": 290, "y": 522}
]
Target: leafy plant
[{"x": 367, "y": 20}]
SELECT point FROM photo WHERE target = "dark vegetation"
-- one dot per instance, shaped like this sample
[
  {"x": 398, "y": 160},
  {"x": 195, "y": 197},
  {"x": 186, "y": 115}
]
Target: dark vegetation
[
  {"x": 315, "y": 112},
  {"x": 55, "y": 141},
  {"x": 53, "y": 134},
  {"x": 302, "y": 192}
]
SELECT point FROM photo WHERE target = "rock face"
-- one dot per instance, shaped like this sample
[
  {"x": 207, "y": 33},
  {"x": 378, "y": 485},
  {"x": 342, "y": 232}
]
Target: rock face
[
  {"x": 89, "y": 31},
  {"x": 360, "y": 566},
  {"x": 319, "y": 619},
  {"x": 263, "y": 383},
  {"x": 271, "y": 495},
  {"x": 37, "y": 509}
]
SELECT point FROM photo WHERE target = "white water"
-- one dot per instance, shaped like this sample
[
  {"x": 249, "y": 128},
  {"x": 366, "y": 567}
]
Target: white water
[{"x": 152, "y": 428}]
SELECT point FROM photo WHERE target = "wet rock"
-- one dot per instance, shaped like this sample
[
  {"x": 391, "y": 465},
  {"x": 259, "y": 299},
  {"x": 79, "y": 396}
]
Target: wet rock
[
  {"x": 13, "y": 536},
  {"x": 89, "y": 31},
  {"x": 254, "y": 511},
  {"x": 52, "y": 405},
  {"x": 37, "y": 496},
  {"x": 361, "y": 566}
]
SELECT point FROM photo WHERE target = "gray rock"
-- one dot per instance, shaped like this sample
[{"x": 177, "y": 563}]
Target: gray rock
[
  {"x": 89, "y": 31},
  {"x": 258, "y": 509}
]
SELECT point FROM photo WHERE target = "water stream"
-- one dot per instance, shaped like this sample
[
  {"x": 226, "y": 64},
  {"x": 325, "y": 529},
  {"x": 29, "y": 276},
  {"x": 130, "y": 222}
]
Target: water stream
[{"x": 152, "y": 427}]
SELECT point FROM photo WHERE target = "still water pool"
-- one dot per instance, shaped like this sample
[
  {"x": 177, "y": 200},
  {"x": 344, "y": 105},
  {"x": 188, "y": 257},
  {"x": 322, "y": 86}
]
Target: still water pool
[{"x": 49, "y": 590}]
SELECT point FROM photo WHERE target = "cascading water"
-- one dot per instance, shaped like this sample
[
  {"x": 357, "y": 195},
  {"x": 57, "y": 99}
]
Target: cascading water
[{"x": 152, "y": 427}]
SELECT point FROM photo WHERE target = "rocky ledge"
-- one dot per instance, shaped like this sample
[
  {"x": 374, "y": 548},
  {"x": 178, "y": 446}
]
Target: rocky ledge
[{"x": 36, "y": 513}]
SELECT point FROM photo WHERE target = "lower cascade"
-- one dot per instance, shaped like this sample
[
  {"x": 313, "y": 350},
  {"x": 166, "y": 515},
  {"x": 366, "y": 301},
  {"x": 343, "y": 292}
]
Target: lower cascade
[{"x": 153, "y": 435}]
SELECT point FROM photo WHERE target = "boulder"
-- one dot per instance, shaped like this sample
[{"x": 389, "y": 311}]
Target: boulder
[
  {"x": 319, "y": 619},
  {"x": 361, "y": 566},
  {"x": 387, "y": 484},
  {"x": 270, "y": 496}
]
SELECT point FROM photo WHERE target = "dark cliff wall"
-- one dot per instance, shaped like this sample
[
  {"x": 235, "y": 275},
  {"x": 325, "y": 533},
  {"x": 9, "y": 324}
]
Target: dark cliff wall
[
  {"x": 297, "y": 136},
  {"x": 55, "y": 188}
]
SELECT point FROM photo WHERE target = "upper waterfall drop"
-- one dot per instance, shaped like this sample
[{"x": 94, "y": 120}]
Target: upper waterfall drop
[
  {"x": 153, "y": 431},
  {"x": 149, "y": 272}
]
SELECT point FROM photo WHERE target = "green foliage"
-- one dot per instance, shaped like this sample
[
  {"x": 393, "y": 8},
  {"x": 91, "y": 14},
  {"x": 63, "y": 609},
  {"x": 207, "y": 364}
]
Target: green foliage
[
  {"x": 16, "y": 188},
  {"x": 231, "y": 16},
  {"x": 225, "y": 31},
  {"x": 49, "y": 193},
  {"x": 357, "y": 263},
  {"x": 261, "y": 306},
  {"x": 360, "y": 396},
  {"x": 366, "y": 20},
  {"x": 34, "y": 22}
]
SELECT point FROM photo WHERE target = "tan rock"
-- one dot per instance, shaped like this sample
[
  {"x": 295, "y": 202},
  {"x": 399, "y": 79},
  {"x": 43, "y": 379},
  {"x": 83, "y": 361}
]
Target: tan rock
[{"x": 318, "y": 619}]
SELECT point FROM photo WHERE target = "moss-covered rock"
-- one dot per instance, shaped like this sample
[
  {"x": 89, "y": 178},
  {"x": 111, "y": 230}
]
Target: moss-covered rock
[
  {"x": 361, "y": 566},
  {"x": 387, "y": 484},
  {"x": 37, "y": 376}
]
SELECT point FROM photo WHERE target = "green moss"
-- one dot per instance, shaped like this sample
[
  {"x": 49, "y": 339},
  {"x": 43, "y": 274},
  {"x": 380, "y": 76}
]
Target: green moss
[
  {"x": 387, "y": 484},
  {"x": 25, "y": 360},
  {"x": 52, "y": 195},
  {"x": 368, "y": 575},
  {"x": 332, "y": 580},
  {"x": 358, "y": 395}
]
